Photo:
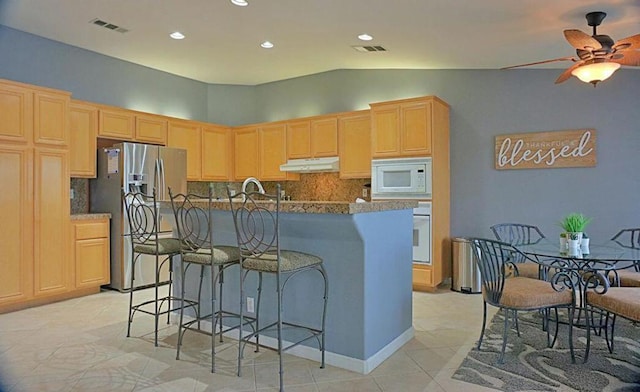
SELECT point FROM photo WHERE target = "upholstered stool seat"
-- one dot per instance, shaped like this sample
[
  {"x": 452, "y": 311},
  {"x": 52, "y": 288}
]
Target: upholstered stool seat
[
  {"x": 623, "y": 301},
  {"x": 289, "y": 261},
  {"x": 526, "y": 293},
  {"x": 221, "y": 255},
  {"x": 165, "y": 246}
]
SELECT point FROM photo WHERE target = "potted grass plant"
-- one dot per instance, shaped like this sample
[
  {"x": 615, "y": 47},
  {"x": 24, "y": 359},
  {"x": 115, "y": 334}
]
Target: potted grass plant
[{"x": 574, "y": 225}]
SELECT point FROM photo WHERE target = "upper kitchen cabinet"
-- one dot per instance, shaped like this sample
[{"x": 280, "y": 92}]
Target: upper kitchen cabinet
[
  {"x": 33, "y": 114},
  {"x": 405, "y": 128},
  {"x": 51, "y": 116},
  {"x": 150, "y": 129},
  {"x": 16, "y": 112},
  {"x": 246, "y": 144},
  {"x": 83, "y": 129},
  {"x": 187, "y": 135},
  {"x": 116, "y": 124},
  {"x": 217, "y": 153},
  {"x": 312, "y": 138},
  {"x": 354, "y": 130},
  {"x": 273, "y": 153}
]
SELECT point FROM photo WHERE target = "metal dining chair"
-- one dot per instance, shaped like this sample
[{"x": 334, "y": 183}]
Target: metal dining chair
[
  {"x": 628, "y": 277},
  {"x": 256, "y": 220},
  {"x": 515, "y": 294},
  {"x": 194, "y": 223},
  {"x": 520, "y": 234},
  {"x": 147, "y": 240}
]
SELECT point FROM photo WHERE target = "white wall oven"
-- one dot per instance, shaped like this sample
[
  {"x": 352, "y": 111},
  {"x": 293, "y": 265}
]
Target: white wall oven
[
  {"x": 402, "y": 178},
  {"x": 422, "y": 233}
]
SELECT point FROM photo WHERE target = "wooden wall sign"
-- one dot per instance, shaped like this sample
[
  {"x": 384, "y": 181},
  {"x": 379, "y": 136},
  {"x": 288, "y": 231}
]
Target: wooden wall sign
[{"x": 543, "y": 150}]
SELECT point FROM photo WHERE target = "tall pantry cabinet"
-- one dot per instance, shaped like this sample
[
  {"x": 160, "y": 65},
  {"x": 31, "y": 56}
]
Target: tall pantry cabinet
[{"x": 34, "y": 206}]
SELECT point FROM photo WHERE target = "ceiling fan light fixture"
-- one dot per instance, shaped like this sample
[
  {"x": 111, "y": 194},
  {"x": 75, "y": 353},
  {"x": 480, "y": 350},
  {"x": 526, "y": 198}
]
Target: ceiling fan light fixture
[{"x": 595, "y": 72}]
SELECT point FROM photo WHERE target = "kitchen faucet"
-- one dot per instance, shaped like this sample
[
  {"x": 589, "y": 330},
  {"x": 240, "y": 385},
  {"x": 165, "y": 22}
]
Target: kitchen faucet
[{"x": 247, "y": 182}]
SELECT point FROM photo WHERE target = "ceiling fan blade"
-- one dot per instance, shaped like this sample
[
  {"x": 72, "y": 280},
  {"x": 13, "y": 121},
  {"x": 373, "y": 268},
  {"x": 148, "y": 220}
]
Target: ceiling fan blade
[
  {"x": 542, "y": 62},
  {"x": 629, "y": 57},
  {"x": 581, "y": 40},
  {"x": 632, "y": 42},
  {"x": 567, "y": 73}
]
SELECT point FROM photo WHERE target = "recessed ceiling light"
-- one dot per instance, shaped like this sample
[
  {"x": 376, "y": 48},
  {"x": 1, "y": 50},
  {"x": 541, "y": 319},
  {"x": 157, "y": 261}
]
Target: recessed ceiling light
[
  {"x": 365, "y": 37},
  {"x": 267, "y": 45},
  {"x": 240, "y": 3},
  {"x": 176, "y": 35}
]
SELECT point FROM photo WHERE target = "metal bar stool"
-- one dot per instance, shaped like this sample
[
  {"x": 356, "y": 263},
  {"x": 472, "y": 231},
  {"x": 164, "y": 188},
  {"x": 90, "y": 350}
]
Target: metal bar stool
[
  {"x": 148, "y": 240},
  {"x": 256, "y": 222},
  {"x": 194, "y": 221}
]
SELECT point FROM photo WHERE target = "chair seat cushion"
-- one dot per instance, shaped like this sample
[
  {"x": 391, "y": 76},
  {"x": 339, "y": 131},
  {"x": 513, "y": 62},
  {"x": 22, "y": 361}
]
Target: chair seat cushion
[
  {"x": 628, "y": 278},
  {"x": 166, "y": 246},
  {"x": 526, "y": 293},
  {"x": 623, "y": 301},
  {"x": 222, "y": 254},
  {"x": 528, "y": 270},
  {"x": 289, "y": 261}
]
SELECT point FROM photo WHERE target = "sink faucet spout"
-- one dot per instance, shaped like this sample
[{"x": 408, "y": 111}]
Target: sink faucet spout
[{"x": 249, "y": 181}]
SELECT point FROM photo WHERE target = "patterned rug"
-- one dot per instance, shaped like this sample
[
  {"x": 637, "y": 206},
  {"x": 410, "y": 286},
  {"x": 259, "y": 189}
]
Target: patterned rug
[{"x": 529, "y": 365}]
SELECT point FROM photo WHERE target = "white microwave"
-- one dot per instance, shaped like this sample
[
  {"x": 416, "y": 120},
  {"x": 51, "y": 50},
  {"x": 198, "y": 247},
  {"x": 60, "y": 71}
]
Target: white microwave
[{"x": 401, "y": 178}]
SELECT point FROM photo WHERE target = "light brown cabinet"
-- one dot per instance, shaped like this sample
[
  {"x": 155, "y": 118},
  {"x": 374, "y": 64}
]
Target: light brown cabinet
[
  {"x": 83, "y": 129},
  {"x": 187, "y": 135},
  {"x": 150, "y": 129},
  {"x": 116, "y": 124},
  {"x": 403, "y": 128},
  {"x": 273, "y": 152},
  {"x": 354, "y": 130},
  {"x": 312, "y": 138},
  {"x": 217, "y": 153},
  {"x": 91, "y": 252},
  {"x": 246, "y": 144},
  {"x": 34, "y": 165}
]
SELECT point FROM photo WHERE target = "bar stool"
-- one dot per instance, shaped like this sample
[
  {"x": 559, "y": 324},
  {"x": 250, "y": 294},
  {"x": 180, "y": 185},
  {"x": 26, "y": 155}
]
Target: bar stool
[
  {"x": 256, "y": 221},
  {"x": 194, "y": 221},
  {"x": 148, "y": 240}
]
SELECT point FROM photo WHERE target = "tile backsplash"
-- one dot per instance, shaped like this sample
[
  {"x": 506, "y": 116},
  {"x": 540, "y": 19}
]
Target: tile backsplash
[{"x": 312, "y": 186}]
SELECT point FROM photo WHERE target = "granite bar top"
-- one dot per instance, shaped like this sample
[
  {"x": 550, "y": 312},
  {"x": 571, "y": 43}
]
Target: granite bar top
[
  {"x": 90, "y": 216},
  {"x": 320, "y": 207}
]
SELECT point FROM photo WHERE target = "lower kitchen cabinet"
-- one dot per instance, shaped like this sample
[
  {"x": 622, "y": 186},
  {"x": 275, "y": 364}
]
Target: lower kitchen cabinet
[
  {"x": 422, "y": 278},
  {"x": 91, "y": 252}
]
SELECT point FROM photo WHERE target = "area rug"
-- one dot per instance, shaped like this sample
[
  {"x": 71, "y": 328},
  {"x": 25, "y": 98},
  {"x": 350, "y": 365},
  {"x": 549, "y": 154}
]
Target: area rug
[{"x": 529, "y": 365}]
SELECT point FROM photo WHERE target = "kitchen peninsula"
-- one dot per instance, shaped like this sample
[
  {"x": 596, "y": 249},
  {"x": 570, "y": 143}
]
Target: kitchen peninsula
[{"x": 367, "y": 252}]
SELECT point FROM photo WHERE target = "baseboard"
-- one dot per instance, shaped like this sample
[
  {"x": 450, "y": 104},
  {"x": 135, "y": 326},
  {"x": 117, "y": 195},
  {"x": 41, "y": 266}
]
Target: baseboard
[{"x": 338, "y": 360}]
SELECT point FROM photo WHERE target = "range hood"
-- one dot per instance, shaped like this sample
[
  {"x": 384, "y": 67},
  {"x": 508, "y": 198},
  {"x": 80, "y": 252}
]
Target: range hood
[{"x": 311, "y": 165}]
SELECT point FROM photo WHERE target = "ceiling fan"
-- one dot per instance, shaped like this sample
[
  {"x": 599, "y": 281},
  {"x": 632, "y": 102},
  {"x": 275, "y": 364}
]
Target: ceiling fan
[{"x": 598, "y": 56}]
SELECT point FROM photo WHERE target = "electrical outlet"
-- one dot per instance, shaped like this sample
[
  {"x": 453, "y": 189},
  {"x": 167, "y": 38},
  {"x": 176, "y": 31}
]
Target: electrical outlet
[
  {"x": 250, "y": 305},
  {"x": 365, "y": 192}
]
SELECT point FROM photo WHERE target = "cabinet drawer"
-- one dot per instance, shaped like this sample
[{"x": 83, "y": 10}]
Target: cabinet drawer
[
  {"x": 422, "y": 277},
  {"x": 91, "y": 230}
]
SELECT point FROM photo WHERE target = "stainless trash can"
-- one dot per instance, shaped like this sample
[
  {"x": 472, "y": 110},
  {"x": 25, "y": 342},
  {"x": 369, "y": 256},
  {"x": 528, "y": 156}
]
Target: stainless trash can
[{"x": 466, "y": 275}]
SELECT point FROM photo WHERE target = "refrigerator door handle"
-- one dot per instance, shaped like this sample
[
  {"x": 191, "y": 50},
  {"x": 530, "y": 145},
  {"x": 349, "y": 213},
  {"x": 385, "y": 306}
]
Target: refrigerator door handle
[{"x": 163, "y": 184}]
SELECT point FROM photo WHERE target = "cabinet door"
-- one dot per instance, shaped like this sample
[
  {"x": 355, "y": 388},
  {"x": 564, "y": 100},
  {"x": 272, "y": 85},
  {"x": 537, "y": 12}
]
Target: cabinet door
[
  {"x": 217, "y": 153},
  {"x": 298, "y": 140},
  {"x": 324, "y": 137},
  {"x": 273, "y": 152},
  {"x": 16, "y": 228},
  {"x": 91, "y": 253},
  {"x": 416, "y": 128},
  {"x": 83, "y": 129},
  {"x": 16, "y": 112},
  {"x": 116, "y": 124},
  {"x": 185, "y": 134},
  {"x": 51, "y": 113},
  {"x": 151, "y": 129},
  {"x": 245, "y": 142},
  {"x": 355, "y": 151},
  {"x": 385, "y": 131},
  {"x": 52, "y": 272}
]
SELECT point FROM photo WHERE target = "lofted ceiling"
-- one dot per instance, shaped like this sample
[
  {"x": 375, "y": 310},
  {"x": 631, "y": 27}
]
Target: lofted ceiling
[{"x": 222, "y": 43}]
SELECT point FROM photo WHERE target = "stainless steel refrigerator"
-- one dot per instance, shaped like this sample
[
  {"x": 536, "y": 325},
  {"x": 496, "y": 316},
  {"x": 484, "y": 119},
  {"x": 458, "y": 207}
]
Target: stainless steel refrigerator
[{"x": 135, "y": 167}]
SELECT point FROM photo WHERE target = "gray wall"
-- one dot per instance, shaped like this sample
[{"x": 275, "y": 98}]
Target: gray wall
[{"x": 483, "y": 104}]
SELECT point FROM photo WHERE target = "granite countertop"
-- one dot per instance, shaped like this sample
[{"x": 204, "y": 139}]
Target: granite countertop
[
  {"x": 91, "y": 216},
  {"x": 322, "y": 207}
]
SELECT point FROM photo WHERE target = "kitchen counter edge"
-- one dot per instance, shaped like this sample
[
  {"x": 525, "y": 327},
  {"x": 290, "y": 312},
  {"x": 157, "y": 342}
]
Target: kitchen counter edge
[{"x": 104, "y": 215}]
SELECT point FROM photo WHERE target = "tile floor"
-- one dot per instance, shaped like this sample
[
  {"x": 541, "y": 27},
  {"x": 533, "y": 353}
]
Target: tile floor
[{"x": 80, "y": 345}]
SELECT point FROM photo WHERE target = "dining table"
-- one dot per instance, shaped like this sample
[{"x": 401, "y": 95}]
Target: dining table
[{"x": 580, "y": 271}]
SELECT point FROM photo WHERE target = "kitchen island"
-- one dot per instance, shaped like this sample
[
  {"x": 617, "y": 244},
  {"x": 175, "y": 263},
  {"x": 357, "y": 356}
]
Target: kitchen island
[{"x": 367, "y": 252}]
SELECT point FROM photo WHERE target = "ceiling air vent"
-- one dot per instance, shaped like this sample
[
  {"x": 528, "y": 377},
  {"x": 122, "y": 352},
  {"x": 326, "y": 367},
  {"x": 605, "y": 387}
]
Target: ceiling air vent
[
  {"x": 107, "y": 25},
  {"x": 369, "y": 48}
]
